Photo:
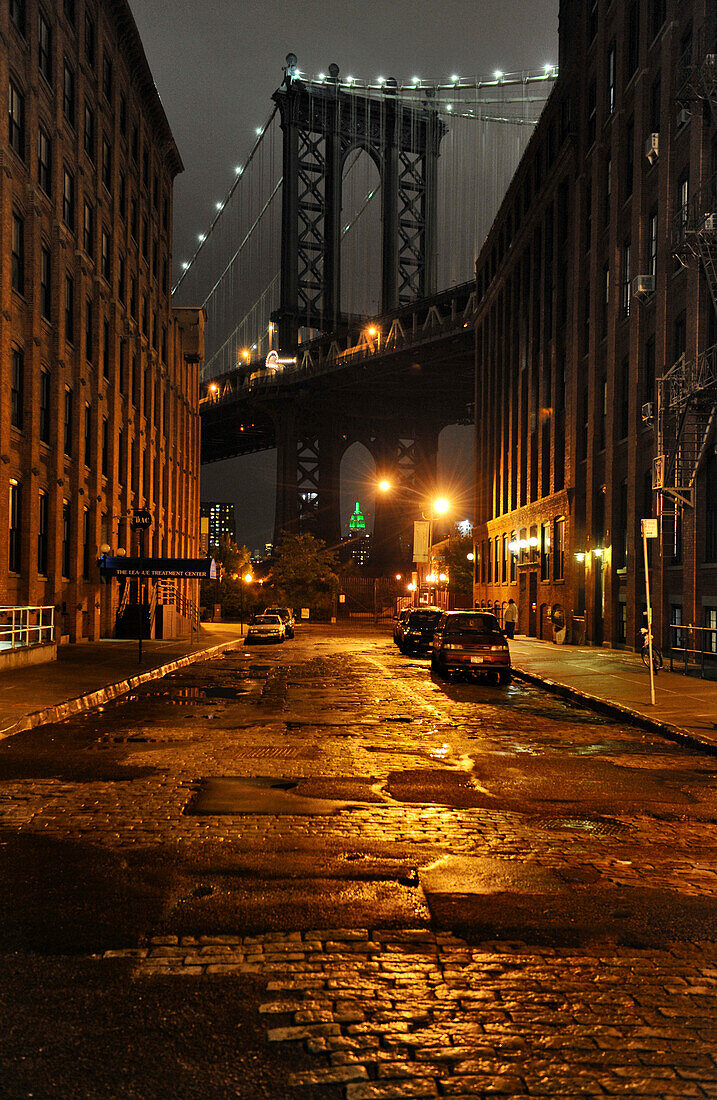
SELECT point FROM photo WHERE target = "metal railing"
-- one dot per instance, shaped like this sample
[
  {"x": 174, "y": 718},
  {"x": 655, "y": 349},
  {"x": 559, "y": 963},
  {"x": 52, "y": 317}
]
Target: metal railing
[
  {"x": 692, "y": 646},
  {"x": 21, "y": 627}
]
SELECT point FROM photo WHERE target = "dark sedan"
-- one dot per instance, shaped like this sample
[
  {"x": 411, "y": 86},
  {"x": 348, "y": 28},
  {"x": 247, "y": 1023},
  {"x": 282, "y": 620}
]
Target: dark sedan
[
  {"x": 417, "y": 634},
  {"x": 471, "y": 642}
]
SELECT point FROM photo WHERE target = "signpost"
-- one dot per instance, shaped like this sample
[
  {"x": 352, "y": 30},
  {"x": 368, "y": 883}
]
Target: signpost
[
  {"x": 140, "y": 521},
  {"x": 649, "y": 531}
]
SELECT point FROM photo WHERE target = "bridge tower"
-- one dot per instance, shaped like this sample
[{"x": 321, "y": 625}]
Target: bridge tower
[{"x": 322, "y": 124}]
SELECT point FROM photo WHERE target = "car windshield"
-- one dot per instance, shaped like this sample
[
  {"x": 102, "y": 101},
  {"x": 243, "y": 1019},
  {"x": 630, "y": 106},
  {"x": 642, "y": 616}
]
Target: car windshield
[
  {"x": 280, "y": 611},
  {"x": 267, "y": 620},
  {"x": 472, "y": 624},
  {"x": 423, "y": 618}
]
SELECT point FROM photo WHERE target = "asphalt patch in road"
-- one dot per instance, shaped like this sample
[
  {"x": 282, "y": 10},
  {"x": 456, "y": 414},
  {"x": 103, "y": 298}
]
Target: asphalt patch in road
[{"x": 315, "y": 796}]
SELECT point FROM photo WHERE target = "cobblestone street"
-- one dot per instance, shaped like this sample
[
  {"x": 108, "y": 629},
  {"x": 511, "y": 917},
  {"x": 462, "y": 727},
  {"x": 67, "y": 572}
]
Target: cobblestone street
[{"x": 420, "y": 888}]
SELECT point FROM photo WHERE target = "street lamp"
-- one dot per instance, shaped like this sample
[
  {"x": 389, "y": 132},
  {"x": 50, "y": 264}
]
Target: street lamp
[{"x": 246, "y": 579}]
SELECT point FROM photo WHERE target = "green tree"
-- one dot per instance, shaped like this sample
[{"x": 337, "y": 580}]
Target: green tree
[
  {"x": 304, "y": 573},
  {"x": 460, "y": 569},
  {"x": 233, "y": 562}
]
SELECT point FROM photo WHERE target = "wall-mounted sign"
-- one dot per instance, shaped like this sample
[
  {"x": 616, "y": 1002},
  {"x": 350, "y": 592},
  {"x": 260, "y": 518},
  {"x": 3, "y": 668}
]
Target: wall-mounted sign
[
  {"x": 421, "y": 528},
  {"x": 140, "y": 519}
]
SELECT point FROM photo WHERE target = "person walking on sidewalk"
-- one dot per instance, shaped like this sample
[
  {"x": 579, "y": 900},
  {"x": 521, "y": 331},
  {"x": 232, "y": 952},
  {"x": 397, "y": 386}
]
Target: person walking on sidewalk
[{"x": 510, "y": 618}]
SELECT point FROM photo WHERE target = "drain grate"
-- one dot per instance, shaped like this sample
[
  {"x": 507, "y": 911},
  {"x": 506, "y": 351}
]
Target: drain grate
[
  {"x": 595, "y": 826},
  {"x": 276, "y": 752}
]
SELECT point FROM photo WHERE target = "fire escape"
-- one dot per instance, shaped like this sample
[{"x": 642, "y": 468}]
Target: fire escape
[{"x": 687, "y": 393}]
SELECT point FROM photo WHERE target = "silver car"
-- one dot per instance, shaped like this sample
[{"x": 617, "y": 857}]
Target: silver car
[{"x": 265, "y": 628}]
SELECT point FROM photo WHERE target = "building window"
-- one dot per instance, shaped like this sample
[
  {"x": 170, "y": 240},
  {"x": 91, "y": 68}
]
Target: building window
[
  {"x": 17, "y": 388},
  {"x": 44, "y": 406},
  {"x": 652, "y": 245},
  {"x": 633, "y": 39},
  {"x": 90, "y": 39},
  {"x": 44, "y": 161},
  {"x": 43, "y": 519},
  {"x": 15, "y": 525},
  {"x": 145, "y": 166},
  {"x": 133, "y": 217},
  {"x": 133, "y": 297},
  {"x": 545, "y": 551},
  {"x": 66, "y": 529},
  {"x": 17, "y": 255},
  {"x": 626, "y": 276},
  {"x": 683, "y": 198},
  {"x": 592, "y": 112},
  {"x": 606, "y": 298},
  {"x": 89, "y": 330},
  {"x": 90, "y": 132},
  {"x": 68, "y": 94},
  {"x": 123, "y": 114},
  {"x": 122, "y": 279},
  {"x": 88, "y": 434},
  {"x": 123, "y": 366},
  {"x": 106, "y": 255},
  {"x": 677, "y": 636},
  {"x": 611, "y": 71},
  {"x": 624, "y": 419},
  {"x": 107, "y": 163},
  {"x": 513, "y": 556},
  {"x": 16, "y": 120},
  {"x": 45, "y": 283},
  {"x": 621, "y": 621},
  {"x": 105, "y": 447},
  {"x": 67, "y": 426},
  {"x": 68, "y": 199},
  {"x": 559, "y": 549},
  {"x": 649, "y": 390},
  {"x": 106, "y": 348},
  {"x": 123, "y": 196},
  {"x": 86, "y": 535},
  {"x": 711, "y": 632},
  {"x": 44, "y": 42},
  {"x": 621, "y": 529},
  {"x": 135, "y": 143},
  {"x": 69, "y": 309},
  {"x": 88, "y": 229},
  {"x": 107, "y": 76},
  {"x": 629, "y": 157},
  {"x": 18, "y": 15}
]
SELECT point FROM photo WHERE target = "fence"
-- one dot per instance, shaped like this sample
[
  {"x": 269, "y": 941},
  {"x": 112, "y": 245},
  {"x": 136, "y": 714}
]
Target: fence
[
  {"x": 21, "y": 627},
  {"x": 694, "y": 646}
]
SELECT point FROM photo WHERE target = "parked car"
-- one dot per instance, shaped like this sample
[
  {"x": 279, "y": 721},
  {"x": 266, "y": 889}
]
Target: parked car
[
  {"x": 471, "y": 642},
  {"x": 287, "y": 617},
  {"x": 399, "y": 622},
  {"x": 417, "y": 633},
  {"x": 265, "y": 628}
]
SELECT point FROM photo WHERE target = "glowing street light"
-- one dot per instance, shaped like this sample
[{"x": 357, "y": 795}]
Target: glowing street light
[
  {"x": 384, "y": 486},
  {"x": 441, "y": 506}
]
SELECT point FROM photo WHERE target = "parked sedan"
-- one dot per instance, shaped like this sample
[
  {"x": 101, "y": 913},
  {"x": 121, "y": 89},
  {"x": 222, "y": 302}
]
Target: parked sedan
[
  {"x": 287, "y": 617},
  {"x": 417, "y": 633},
  {"x": 265, "y": 628},
  {"x": 471, "y": 642},
  {"x": 399, "y": 622}
]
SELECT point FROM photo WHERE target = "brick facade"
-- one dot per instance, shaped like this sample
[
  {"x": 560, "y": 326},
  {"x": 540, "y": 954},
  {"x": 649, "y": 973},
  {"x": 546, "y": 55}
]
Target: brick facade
[
  {"x": 99, "y": 399},
  {"x": 567, "y": 354}
]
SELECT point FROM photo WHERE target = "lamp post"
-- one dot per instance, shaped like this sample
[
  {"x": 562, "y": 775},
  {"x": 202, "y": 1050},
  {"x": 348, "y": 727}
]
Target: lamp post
[
  {"x": 246, "y": 579},
  {"x": 437, "y": 506}
]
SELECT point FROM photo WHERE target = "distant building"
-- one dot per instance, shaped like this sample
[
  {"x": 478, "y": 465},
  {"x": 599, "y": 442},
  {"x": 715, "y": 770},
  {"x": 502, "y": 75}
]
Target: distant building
[
  {"x": 100, "y": 374},
  {"x": 359, "y": 541},
  {"x": 219, "y": 520}
]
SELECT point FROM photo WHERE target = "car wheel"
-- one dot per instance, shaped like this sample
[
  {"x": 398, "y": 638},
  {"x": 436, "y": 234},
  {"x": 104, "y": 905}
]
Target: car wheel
[{"x": 505, "y": 677}]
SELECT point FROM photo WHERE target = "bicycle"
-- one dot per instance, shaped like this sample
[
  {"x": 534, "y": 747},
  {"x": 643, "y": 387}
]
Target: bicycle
[{"x": 657, "y": 662}]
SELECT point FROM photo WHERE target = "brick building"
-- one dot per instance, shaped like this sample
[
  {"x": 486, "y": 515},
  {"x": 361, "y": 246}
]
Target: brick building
[
  {"x": 596, "y": 279},
  {"x": 99, "y": 402}
]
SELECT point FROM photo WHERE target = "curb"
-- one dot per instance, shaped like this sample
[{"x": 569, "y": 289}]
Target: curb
[
  {"x": 617, "y": 710},
  {"x": 96, "y": 698}
]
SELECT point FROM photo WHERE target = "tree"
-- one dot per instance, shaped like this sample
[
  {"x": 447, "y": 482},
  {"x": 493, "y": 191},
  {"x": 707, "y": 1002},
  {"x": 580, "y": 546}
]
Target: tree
[
  {"x": 459, "y": 568},
  {"x": 304, "y": 572},
  {"x": 233, "y": 562}
]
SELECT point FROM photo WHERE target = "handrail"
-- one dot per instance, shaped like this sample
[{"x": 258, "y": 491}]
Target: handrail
[
  {"x": 683, "y": 640},
  {"x": 19, "y": 632}
]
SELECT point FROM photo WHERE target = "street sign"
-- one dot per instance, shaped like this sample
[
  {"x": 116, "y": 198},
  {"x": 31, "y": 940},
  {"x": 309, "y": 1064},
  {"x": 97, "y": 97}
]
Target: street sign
[
  {"x": 141, "y": 519},
  {"x": 649, "y": 528},
  {"x": 188, "y": 568}
]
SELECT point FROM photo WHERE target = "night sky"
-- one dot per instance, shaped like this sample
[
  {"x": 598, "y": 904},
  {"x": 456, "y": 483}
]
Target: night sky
[{"x": 216, "y": 65}]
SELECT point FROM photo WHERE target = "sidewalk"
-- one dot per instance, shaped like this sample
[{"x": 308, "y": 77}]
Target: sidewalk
[
  {"x": 90, "y": 673},
  {"x": 616, "y": 682}
]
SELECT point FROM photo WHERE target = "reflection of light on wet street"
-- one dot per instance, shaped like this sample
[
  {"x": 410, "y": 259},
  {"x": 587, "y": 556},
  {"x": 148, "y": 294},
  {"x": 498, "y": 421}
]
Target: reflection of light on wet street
[{"x": 440, "y": 753}]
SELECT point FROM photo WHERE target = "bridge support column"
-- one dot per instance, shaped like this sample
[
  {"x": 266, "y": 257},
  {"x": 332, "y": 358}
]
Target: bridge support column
[
  {"x": 286, "y": 514},
  {"x": 308, "y": 475}
]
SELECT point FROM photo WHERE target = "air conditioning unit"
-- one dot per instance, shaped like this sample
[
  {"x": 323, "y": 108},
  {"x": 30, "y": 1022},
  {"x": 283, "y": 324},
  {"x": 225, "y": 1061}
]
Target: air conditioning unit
[
  {"x": 683, "y": 117},
  {"x": 710, "y": 223},
  {"x": 648, "y": 412},
  {"x": 643, "y": 285},
  {"x": 652, "y": 147}
]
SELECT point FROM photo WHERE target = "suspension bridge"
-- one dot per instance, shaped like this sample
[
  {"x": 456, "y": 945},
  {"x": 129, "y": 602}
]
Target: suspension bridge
[{"x": 337, "y": 276}]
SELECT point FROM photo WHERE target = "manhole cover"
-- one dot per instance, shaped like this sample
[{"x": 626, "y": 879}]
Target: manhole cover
[
  {"x": 596, "y": 826},
  {"x": 276, "y": 752}
]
